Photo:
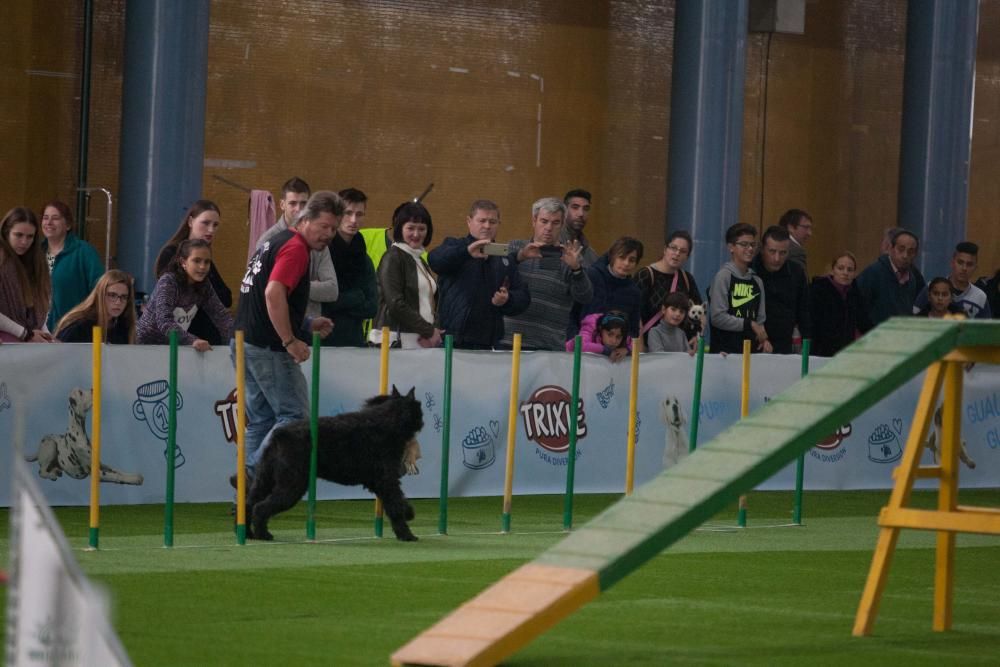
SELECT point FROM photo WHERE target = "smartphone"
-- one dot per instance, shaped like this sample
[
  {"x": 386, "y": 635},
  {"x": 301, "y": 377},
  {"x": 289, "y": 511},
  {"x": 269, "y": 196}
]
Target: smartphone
[
  {"x": 496, "y": 249},
  {"x": 551, "y": 251}
]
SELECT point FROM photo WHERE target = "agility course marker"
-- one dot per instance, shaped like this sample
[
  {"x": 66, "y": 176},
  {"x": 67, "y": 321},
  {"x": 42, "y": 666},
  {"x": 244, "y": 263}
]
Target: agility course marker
[
  {"x": 949, "y": 518},
  {"x": 683, "y": 497},
  {"x": 168, "y": 503},
  {"x": 508, "y": 480},
  {"x": 95, "y": 441},
  {"x": 314, "y": 438},
  {"x": 574, "y": 410},
  {"x": 383, "y": 389},
  {"x": 241, "y": 441},
  {"x": 741, "y": 517},
  {"x": 449, "y": 349},
  {"x": 699, "y": 369},
  {"x": 633, "y": 398},
  {"x": 800, "y": 463}
]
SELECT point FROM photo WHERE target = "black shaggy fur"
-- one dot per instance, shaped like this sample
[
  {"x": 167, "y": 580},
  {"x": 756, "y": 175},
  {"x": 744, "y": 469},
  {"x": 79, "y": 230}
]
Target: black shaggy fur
[{"x": 364, "y": 447}]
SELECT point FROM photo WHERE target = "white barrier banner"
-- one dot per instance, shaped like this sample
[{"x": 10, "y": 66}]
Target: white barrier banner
[
  {"x": 55, "y": 616},
  {"x": 53, "y": 382}
]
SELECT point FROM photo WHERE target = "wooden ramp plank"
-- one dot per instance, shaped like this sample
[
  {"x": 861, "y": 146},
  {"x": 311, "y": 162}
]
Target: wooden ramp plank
[
  {"x": 501, "y": 619},
  {"x": 628, "y": 534}
]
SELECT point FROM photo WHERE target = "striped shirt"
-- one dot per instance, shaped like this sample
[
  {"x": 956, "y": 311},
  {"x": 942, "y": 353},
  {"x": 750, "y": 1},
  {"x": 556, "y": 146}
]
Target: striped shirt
[{"x": 554, "y": 289}]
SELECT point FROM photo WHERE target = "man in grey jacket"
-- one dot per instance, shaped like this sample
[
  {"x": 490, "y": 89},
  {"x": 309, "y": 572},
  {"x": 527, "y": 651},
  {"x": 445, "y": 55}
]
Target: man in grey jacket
[
  {"x": 555, "y": 278},
  {"x": 322, "y": 276}
]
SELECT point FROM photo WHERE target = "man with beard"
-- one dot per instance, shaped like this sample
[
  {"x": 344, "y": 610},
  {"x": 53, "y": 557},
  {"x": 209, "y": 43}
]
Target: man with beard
[
  {"x": 358, "y": 299},
  {"x": 577, "y": 212},
  {"x": 890, "y": 285}
]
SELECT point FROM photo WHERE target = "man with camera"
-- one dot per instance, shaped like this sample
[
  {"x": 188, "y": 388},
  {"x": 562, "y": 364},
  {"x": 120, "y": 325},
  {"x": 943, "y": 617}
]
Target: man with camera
[
  {"x": 478, "y": 281},
  {"x": 555, "y": 277}
]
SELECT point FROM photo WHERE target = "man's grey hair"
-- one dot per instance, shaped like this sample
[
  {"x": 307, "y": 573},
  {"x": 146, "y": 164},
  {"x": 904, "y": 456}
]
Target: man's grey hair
[
  {"x": 323, "y": 201},
  {"x": 549, "y": 205}
]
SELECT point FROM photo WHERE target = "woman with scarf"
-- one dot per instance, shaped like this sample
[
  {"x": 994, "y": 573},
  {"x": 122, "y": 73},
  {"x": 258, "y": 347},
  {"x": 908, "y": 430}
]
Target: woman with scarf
[{"x": 407, "y": 288}]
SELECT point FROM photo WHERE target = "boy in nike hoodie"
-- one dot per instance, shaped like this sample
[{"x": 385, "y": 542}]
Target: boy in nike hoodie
[{"x": 736, "y": 297}]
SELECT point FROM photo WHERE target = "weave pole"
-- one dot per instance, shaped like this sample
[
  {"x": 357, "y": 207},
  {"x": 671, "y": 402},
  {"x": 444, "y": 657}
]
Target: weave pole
[
  {"x": 314, "y": 436},
  {"x": 573, "y": 416},
  {"x": 741, "y": 517},
  {"x": 168, "y": 504},
  {"x": 633, "y": 400},
  {"x": 95, "y": 441},
  {"x": 800, "y": 463},
  {"x": 383, "y": 389},
  {"x": 241, "y": 441},
  {"x": 508, "y": 480},
  {"x": 449, "y": 348},
  {"x": 699, "y": 366}
]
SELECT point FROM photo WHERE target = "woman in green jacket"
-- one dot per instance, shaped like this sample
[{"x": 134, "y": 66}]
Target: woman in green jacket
[{"x": 74, "y": 265}]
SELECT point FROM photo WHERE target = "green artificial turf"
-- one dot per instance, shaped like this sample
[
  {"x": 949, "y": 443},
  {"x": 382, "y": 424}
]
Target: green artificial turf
[{"x": 763, "y": 596}]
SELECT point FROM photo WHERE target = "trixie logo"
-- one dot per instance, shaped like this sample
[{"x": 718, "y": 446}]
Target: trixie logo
[
  {"x": 834, "y": 440},
  {"x": 546, "y": 418},
  {"x": 226, "y": 409}
]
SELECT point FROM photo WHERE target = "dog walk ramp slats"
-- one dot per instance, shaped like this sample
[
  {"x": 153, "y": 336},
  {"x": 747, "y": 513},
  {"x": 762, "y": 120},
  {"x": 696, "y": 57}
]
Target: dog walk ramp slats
[{"x": 659, "y": 513}]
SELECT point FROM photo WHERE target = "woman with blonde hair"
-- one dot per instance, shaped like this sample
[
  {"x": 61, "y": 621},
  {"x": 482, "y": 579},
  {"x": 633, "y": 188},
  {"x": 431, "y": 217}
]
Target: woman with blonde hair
[
  {"x": 837, "y": 308},
  {"x": 25, "y": 290},
  {"x": 110, "y": 305}
]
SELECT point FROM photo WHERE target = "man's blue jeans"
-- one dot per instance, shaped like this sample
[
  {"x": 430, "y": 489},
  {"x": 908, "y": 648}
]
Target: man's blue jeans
[{"x": 275, "y": 395}]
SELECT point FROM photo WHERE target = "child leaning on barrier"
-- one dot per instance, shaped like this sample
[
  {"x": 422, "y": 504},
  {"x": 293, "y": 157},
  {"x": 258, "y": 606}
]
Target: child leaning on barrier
[
  {"x": 668, "y": 335},
  {"x": 604, "y": 333}
]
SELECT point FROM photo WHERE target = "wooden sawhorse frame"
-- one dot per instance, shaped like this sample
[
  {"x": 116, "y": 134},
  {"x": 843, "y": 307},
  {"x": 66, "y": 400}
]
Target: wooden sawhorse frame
[{"x": 949, "y": 517}]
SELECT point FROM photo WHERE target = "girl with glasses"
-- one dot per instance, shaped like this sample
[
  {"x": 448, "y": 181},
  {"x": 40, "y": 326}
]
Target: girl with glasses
[{"x": 111, "y": 305}]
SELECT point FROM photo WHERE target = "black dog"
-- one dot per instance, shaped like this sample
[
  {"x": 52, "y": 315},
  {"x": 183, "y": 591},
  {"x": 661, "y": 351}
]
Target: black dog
[{"x": 366, "y": 447}]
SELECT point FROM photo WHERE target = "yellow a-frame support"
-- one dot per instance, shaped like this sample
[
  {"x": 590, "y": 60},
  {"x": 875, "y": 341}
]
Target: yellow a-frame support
[{"x": 949, "y": 518}]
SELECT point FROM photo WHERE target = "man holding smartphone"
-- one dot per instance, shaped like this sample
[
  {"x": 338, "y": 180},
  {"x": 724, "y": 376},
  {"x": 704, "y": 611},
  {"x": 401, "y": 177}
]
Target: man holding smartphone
[
  {"x": 555, "y": 277},
  {"x": 476, "y": 290}
]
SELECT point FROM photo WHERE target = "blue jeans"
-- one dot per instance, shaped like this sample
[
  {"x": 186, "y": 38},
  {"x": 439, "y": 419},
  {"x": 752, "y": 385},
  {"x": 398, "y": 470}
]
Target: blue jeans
[{"x": 275, "y": 395}]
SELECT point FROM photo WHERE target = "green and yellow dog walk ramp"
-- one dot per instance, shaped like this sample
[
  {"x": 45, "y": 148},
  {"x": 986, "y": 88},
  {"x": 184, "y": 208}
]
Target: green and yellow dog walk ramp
[{"x": 527, "y": 602}]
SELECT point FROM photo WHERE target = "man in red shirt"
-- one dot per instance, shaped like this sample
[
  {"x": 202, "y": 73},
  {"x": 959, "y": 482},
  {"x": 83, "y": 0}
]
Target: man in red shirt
[{"x": 274, "y": 294}]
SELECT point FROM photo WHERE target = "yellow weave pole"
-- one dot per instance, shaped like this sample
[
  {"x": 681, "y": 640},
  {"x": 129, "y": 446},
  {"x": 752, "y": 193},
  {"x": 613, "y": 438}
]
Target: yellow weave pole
[
  {"x": 633, "y": 401},
  {"x": 95, "y": 440},
  {"x": 741, "y": 517},
  {"x": 241, "y": 440},
  {"x": 951, "y": 443},
  {"x": 508, "y": 482},
  {"x": 383, "y": 389},
  {"x": 885, "y": 548}
]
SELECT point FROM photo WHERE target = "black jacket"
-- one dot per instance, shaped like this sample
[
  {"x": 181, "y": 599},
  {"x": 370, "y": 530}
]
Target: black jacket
[
  {"x": 834, "y": 318},
  {"x": 463, "y": 279},
  {"x": 786, "y": 303}
]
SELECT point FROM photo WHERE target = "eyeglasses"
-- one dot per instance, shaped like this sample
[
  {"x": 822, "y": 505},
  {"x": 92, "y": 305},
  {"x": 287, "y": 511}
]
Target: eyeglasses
[
  {"x": 746, "y": 245},
  {"x": 115, "y": 296},
  {"x": 678, "y": 249}
]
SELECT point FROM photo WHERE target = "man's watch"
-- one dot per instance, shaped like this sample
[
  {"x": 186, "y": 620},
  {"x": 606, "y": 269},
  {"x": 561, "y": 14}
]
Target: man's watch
[{"x": 288, "y": 342}]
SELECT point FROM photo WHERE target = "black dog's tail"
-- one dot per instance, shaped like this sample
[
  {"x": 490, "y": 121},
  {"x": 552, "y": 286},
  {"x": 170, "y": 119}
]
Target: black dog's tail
[{"x": 263, "y": 480}]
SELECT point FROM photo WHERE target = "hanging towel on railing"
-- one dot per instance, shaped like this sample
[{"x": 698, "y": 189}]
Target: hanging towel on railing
[{"x": 261, "y": 216}]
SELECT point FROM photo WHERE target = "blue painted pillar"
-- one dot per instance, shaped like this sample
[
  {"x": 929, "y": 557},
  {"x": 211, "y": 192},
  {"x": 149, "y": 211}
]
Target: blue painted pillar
[
  {"x": 706, "y": 127},
  {"x": 936, "y": 137},
  {"x": 163, "y": 126}
]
